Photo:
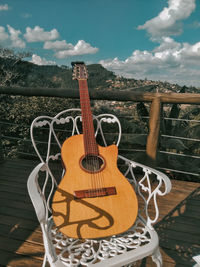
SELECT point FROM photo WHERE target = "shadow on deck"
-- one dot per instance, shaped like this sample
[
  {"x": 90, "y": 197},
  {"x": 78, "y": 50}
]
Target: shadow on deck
[{"x": 21, "y": 239}]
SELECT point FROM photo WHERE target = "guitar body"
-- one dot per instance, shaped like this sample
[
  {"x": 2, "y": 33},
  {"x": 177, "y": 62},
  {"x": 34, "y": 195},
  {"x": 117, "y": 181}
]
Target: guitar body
[{"x": 93, "y": 204}]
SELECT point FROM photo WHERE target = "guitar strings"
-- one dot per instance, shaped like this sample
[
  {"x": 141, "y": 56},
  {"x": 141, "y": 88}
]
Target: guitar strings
[
  {"x": 92, "y": 160},
  {"x": 97, "y": 168},
  {"x": 96, "y": 174},
  {"x": 86, "y": 146},
  {"x": 87, "y": 143}
]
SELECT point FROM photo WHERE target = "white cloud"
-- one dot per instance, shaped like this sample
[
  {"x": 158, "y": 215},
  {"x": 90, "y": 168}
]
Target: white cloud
[
  {"x": 3, "y": 35},
  {"x": 11, "y": 39},
  {"x": 62, "y": 49},
  {"x": 168, "y": 21},
  {"x": 4, "y": 7},
  {"x": 41, "y": 61},
  {"x": 191, "y": 53},
  {"x": 81, "y": 48},
  {"x": 170, "y": 61},
  {"x": 57, "y": 45},
  {"x": 16, "y": 41},
  {"x": 38, "y": 34},
  {"x": 167, "y": 43}
]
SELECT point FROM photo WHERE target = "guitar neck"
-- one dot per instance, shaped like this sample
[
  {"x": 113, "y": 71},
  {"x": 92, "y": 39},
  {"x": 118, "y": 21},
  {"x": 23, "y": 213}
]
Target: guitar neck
[{"x": 90, "y": 144}]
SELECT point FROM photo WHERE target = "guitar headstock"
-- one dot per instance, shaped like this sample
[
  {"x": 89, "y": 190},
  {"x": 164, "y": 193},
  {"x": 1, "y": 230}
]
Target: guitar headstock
[{"x": 79, "y": 71}]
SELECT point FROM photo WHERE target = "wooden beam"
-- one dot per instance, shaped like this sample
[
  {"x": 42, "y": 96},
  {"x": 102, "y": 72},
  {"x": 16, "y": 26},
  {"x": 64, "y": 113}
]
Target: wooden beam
[
  {"x": 118, "y": 95},
  {"x": 112, "y": 95}
]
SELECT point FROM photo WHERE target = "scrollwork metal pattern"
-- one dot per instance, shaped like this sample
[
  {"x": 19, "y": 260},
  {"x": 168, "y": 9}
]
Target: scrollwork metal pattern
[
  {"x": 75, "y": 252},
  {"x": 63, "y": 118}
]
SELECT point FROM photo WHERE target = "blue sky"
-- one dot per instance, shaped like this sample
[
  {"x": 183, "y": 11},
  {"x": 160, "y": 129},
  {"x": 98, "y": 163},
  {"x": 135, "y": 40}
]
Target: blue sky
[{"x": 153, "y": 39}]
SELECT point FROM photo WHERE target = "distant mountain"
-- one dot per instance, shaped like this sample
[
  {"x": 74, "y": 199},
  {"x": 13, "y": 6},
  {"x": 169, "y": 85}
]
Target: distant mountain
[{"x": 30, "y": 75}]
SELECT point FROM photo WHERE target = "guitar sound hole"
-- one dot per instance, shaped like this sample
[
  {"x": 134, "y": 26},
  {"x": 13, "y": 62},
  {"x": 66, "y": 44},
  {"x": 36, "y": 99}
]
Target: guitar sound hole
[{"x": 92, "y": 163}]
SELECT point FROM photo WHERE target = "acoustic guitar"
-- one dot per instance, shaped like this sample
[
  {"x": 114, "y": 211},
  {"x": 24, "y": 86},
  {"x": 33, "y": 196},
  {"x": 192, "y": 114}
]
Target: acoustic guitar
[{"x": 94, "y": 199}]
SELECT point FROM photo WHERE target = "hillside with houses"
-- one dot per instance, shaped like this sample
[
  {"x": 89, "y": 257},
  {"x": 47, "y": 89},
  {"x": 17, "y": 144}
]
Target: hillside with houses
[{"x": 17, "y": 72}]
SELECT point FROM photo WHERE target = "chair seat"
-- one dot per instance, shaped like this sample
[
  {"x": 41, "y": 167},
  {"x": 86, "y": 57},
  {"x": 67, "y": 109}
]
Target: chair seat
[{"x": 118, "y": 250}]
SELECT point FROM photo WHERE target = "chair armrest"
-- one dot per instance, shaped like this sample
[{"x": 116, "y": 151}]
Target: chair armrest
[
  {"x": 162, "y": 188},
  {"x": 35, "y": 192},
  {"x": 149, "y": 186}
]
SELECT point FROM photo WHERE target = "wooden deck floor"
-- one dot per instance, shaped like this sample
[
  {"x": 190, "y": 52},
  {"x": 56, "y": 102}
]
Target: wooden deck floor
[{"x": 20, "y": 234}]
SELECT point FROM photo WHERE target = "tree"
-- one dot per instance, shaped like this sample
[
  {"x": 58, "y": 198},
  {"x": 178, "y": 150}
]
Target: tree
[{"x": 10, "y": 67}]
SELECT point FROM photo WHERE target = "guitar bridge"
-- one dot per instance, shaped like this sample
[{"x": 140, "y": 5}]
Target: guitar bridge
[{"x": 97, "y": 192}]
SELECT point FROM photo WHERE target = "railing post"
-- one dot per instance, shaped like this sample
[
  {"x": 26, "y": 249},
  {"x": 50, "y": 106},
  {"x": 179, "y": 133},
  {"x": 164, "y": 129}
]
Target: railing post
[
  {"x": 1, "y": 148},
  {"x": 154, "y": 129}
]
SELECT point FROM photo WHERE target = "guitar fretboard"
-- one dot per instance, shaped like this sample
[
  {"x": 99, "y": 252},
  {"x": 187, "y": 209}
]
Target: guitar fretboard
[{"x": 90, "y": 144}]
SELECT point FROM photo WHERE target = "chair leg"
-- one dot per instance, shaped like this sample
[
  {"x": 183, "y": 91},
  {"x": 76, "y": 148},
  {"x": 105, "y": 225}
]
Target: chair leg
[
  {"x": 157, "y": 258},
  {"x": 45, "y": 260}
]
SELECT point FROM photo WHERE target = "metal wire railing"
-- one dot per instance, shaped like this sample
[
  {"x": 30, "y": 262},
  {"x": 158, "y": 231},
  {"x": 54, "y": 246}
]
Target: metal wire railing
[{"x": 172, "y": 159}]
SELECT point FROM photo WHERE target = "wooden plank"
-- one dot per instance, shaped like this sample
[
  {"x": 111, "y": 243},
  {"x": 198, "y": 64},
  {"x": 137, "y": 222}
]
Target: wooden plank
[
  {"x": 193, "y": 203},
  {"x": 176, "y": 235},
  {"x": 23, "y": 177},
  {"x": 18, "y": 186},
  {"x": 18, "y": 222},
  {"x": 16, "y": 204},
  {"x": 29, "y": 214},
  {"x": 10, "y": 165},
  {"x": 25, "y": 248},
  {"x": 12, "y": 190},
  {"x": 171, "y": 256},
  {"x": 12, "y": 162},
  {"x": 174, "y": 260},
  {"x": 9, "y": 259},
  {"x": 11, "y": 195},
  {"x": 187, "y": 185},
  {"x": 20, "y": 234},
  {"x": 12, "y": 179}
]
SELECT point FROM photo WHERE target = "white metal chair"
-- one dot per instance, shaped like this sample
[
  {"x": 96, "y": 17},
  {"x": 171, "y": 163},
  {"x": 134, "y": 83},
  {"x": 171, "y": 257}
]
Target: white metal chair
[
  {"x": 121, "y": 250},
  {"x": 197, "y": 260}
]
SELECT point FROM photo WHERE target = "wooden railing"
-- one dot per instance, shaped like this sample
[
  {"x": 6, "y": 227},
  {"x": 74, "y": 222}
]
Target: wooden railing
[{"x": 156, "y": 100}]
